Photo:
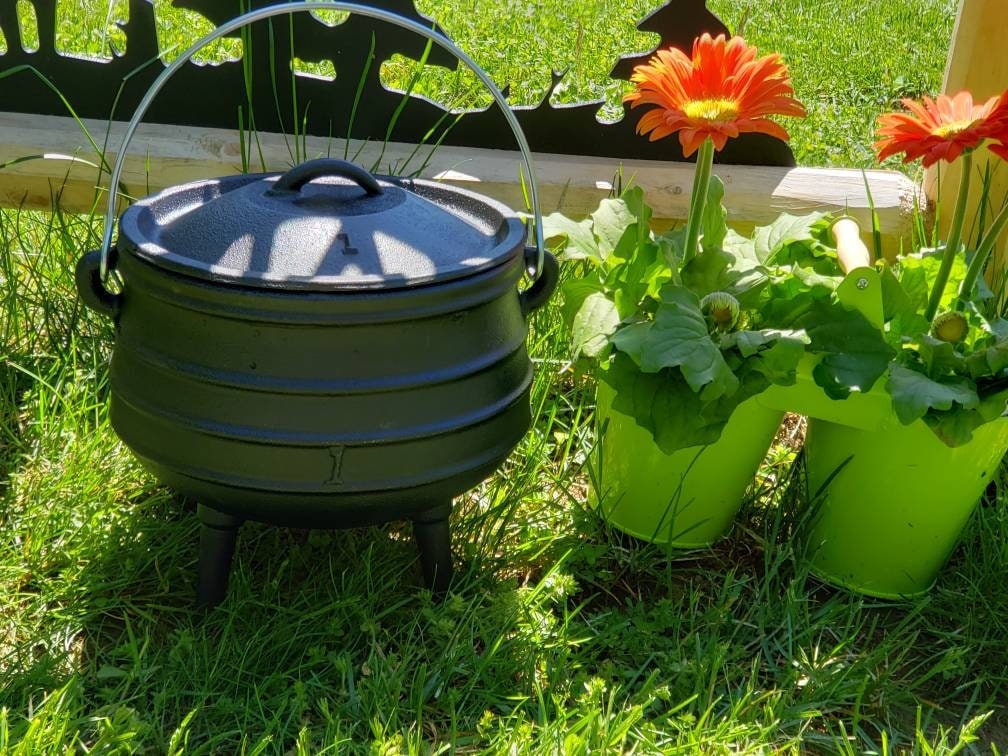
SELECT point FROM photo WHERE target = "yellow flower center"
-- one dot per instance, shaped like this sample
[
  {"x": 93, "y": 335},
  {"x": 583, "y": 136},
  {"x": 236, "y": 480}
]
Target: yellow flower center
[
  {"x": 947, "y": 130},
  {"x": 712, "y": 110}
]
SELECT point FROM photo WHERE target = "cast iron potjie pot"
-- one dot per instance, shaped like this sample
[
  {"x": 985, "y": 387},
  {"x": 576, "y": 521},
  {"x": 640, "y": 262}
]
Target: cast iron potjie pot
[{"x": 319, "y": 348}]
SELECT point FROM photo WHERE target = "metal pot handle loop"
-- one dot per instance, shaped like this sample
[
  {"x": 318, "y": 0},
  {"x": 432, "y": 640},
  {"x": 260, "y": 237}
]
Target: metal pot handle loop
[
  {"x": 534, "y": 262},
  {"x": 300, "y": 175}
]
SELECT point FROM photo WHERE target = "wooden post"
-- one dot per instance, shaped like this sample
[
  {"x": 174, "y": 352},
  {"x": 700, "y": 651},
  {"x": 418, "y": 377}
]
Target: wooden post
[{"x": 977, "y": 62}]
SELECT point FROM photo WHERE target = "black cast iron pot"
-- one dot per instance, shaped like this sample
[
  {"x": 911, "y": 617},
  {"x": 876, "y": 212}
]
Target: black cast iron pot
[{"x": 321, "y": 348}]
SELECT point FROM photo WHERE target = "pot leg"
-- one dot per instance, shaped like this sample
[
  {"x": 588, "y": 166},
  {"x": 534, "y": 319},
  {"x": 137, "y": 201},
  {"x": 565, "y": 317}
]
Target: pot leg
[
  {"x": 218, "y": 534},
  {"x": 433, "y": 539}
]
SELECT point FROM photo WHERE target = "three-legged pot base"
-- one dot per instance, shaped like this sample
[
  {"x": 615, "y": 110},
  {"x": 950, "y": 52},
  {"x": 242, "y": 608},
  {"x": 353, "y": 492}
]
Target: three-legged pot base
[{"x": 219, "y": 533}]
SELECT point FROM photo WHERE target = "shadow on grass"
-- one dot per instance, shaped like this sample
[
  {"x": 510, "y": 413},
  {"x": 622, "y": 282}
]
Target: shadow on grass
[
  {"x": 322, "y": 631},
  {"x": 558, "y": 631},
  {"x": 743, "y": 629}
]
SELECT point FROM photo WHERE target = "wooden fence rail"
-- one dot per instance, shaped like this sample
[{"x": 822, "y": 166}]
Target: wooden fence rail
[{"x": 162, "y": 155}]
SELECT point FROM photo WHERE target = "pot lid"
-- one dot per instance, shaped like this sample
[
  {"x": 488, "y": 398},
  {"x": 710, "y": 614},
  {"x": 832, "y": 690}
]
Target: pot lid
[{"x": 325, "y": 224}]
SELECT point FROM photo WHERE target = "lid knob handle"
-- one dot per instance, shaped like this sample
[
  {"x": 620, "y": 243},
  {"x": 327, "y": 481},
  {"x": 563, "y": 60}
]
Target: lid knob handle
[{"x": 300, "y": 175}]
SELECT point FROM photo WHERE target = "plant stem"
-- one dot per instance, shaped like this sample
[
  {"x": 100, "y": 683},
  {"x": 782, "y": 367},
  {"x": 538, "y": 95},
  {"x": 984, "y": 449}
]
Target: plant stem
[
  {"x": 954, "y": 237},
  {"x": 979, "y": 261},
  {"x": 698, "y": 199}
]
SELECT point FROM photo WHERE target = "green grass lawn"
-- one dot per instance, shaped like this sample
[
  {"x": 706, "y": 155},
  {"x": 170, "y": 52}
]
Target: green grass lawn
[{"x": 559, "y": 636}]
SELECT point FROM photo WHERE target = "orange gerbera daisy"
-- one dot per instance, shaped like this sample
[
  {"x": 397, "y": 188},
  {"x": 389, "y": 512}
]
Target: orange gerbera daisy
[
  {"x": 943, "y": 128},
  {"x": 723, "y": 91}
]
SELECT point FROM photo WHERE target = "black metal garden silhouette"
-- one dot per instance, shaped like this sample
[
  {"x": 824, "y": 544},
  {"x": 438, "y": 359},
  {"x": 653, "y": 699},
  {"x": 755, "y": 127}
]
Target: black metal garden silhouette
[{"x": 215, "y": 95}]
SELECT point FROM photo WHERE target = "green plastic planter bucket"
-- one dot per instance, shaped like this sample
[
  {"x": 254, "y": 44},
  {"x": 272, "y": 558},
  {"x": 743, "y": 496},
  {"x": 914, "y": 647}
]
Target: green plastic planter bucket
[
  {"x": 686, "y": 499},
  {"x": 866, "y": 411},
  {"x": 899, "y": 499}
]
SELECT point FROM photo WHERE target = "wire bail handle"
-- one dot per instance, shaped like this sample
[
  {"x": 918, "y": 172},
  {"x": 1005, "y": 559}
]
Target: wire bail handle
[{"x": 533, "y": 269}]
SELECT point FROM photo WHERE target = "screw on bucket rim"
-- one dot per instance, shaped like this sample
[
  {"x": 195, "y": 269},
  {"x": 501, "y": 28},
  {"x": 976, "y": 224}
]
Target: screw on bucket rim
[{"x": 534, "y": 266}]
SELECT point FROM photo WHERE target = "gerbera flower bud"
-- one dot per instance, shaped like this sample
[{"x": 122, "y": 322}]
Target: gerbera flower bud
[
  {"x": 950, "y": 326},
  {"x": 722, "y": 309}
]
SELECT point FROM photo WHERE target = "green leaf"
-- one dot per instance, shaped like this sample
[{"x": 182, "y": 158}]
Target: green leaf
[
  {"x": 785, "y": 230},
  {"x": 748, "y": 343},
  {"x": 747, "y": 278},
  {"x": 854, "y": 352},
  {"x": 840, "y": 374},
  {"x": 999, "y": 327},
  {"x": 774, "y": 354},
  {"x": 633, "y": 277},
  {"x": 993, "y": 406},
  {"x": 907, "y": 326},
  {"x": 639, "y": 208},
  {"x": 632, "y": 340},
  {"x": 813, "y": 279},
  {"x": 895, "y": 301},
  {"x": 662, "y": 403},
  {"x": 719, "y": 411},
  {"x": 635, "y": 237},
  {"x": 779, "y": 363},
  {"x": 939, "y": 357},
  {"x": 914, "y": 393},
  {"x": 955, "y": 427},
  {"x": 990, "y": 361},
  {"x": 810, "y": 255},
  {"x": 580, "y": 241},
  {"x": 732, "y": 267},
  {"x": 929, "y": 266},
  {"x": 983, "y": 291},
  {"x": 612, "y": 218},
  {"x": 787, "y": 305},
  {"x": 595, "y": 322},
  {"x": 997, "y": 357},
  {"x": 914, "y": 283},
  {"x": 671, "y": 245},
  {"x": 707, "y": 272},
  {"x": 713, "y": 225},
  {"x": 574, "y": 292},
  {"x": 743, "y": 250},
  {"x": 678, "y": 338}
]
